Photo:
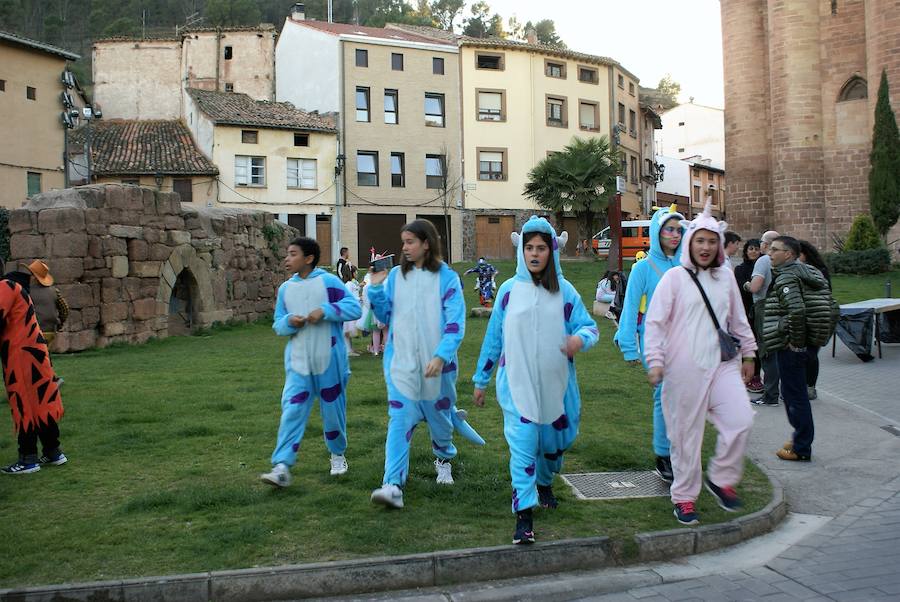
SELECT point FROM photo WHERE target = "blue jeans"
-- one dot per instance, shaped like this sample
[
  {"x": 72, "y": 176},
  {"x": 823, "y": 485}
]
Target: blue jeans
[{"x": 792, "y": 370}]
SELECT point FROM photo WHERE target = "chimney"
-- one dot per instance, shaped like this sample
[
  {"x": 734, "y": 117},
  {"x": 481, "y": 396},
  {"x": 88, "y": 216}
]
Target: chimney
[
  {"x": 531, "y": 35},
  {"x": 298, "y": 13}
]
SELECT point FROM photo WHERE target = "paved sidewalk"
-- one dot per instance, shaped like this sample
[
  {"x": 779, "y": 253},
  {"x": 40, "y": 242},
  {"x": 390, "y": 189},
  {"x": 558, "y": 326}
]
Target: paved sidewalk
[{"x": 841, "y": 542}]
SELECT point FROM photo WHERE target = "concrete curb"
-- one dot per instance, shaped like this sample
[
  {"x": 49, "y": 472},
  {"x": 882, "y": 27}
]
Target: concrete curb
[{"x": 384, "y": 574}]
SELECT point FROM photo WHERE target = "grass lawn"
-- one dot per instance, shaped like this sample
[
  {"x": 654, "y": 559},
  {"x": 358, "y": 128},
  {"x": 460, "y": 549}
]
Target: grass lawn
[
  {"x": 849, "y": 289},
  {"x": 166, "y": 441}
]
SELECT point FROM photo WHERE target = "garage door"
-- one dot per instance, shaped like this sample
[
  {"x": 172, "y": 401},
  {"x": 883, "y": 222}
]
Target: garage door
[
  {"x": 381, "y": 231},
  {"x": 492, "y": 236}
]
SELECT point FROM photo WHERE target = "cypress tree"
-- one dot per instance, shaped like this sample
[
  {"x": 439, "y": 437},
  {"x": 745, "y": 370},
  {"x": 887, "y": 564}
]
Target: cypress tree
[{"x": 884, "y": 177}]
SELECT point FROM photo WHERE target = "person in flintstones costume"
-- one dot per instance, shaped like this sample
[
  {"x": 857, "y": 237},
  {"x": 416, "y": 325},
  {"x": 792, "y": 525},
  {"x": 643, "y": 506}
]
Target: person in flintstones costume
[
  {"x": 311, "y": 307},
  {"x": 421, "y": 302},
  {"x": 536, "y": 328}
]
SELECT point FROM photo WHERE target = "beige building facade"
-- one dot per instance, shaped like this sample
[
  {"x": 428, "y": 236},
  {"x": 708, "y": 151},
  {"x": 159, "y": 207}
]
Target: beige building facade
[
  {"x": 145, "y": 79},
  {"x": 33, "y": 134},
  {"x": 269, "y": 156},
  {"x": 397, "y": 95}
]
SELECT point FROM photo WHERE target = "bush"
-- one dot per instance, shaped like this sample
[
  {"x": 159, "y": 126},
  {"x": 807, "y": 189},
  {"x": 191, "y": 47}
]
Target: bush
[
  {"x": 863, "y": 235},
  {"x": 870, "y": 261}
]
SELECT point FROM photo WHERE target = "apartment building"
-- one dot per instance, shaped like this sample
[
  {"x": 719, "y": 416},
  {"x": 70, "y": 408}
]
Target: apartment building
[
  {"x": 400, "y": 149},
  {"x": 32, "y": 89},
  {"x": 652, "y": 172},
  {"x": 691, "y": 129},
  {"x": 270, "y": 156},
  {"x": 146, "y": 78}
]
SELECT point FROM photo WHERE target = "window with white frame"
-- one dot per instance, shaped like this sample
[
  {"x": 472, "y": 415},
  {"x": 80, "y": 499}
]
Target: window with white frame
[
  {"x": 249, "y": 171},
  {"x": 301, "y": 173}
]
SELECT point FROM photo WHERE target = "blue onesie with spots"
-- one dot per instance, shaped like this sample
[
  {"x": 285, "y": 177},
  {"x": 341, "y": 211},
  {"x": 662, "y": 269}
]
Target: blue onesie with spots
[
  {"x": 536, "y": 384},
  {"x": 315, "y": 361},
  {"x": 426, "y": 318}
]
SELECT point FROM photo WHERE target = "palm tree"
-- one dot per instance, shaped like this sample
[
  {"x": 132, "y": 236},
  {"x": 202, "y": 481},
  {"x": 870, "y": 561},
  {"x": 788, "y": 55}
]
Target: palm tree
[{"x": 581, "y": 178}]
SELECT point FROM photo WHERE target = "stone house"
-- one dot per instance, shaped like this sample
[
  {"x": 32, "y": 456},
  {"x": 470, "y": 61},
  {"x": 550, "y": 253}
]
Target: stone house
[{"x": 146, "y": 78}]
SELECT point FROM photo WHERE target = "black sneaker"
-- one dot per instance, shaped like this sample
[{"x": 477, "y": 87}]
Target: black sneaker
[
  {"x": 546, "y": 497},
  {"x": 686, "y": 514},
  {"x": 21, "y": 468},
  {"x": 726, "y": 496},
  {"x": 524, "y": 528},
  {"x": 762, "y": 401},
  {"x": 57, "y": 459},
  {"x": 664, "y": 468}
]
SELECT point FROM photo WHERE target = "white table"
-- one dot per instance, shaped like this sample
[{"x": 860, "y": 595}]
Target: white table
[{"x": 879, "y": 306}]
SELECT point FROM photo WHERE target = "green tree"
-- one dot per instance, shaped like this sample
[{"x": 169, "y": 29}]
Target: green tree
[
  {"x": 669, "y": 89},
  {"x": 884, "y": 177},
  {"x": 545, "y": 30},
  {"x": 445, "y": 12},
  {"x": 863, "y": 235},
  {"x": 231, "y": 12},
  {"x": 515, "y": 29},
  {"x": 482, "y": 24},
  {"x": 581, "y": 178},
  {"x": 123, "y": 26}
]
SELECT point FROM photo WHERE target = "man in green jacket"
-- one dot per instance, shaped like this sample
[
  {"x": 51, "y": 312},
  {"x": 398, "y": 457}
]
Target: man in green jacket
[{"x": 788, "y": 323}]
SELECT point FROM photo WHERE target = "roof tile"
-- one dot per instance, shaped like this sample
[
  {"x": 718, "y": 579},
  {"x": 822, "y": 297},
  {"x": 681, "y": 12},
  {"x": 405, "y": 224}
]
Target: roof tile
[
  {"x": 129, "y": 147},
  {"x": 232, "y": 108}
]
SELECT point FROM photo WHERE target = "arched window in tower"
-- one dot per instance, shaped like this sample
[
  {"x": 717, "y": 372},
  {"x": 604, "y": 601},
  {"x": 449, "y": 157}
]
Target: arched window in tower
[{"x": 856, "y": 88}]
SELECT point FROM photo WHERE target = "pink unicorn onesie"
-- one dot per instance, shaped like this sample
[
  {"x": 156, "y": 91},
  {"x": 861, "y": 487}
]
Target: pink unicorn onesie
[{"x": 683, "y": 349}]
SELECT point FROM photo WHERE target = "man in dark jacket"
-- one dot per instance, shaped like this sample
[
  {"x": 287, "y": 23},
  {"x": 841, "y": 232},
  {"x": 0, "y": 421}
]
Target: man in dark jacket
[{"x": 786, "y": 329}]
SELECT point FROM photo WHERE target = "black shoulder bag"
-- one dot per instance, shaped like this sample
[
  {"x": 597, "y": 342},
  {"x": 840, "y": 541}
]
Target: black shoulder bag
[{"x": 729, "y": 345}]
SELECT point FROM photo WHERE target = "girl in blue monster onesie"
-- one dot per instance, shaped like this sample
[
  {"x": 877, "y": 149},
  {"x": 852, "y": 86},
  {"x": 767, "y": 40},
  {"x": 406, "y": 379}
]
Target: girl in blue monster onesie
[
  {"x": 422, "y": 304},
  {"x": 664, "y": 253},
  {"x": 310, "y": 309},
  {"x": 537, "y": 327}
]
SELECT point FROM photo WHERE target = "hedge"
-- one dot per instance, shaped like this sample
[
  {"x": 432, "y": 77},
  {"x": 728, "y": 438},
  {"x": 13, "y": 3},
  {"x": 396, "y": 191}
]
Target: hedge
[{"x": 871, "y": 261}]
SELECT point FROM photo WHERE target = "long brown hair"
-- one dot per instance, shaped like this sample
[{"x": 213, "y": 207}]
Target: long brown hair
[
  {"x": 425, "y": 231},
  {"x": 547, "y": 278}
]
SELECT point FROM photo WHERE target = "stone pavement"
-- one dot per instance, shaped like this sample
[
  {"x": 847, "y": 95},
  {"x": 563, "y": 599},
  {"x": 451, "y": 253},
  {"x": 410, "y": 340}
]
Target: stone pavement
[{"x": 841, "y": 542}]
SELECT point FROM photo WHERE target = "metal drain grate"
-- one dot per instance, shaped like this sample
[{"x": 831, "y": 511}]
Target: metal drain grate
[{"x": 616, "y": 485}]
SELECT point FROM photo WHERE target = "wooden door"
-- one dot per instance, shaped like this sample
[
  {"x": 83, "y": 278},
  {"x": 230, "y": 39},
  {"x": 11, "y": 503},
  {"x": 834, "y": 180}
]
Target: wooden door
[
  {"x": 492, "y": 236},
  {"x": 323, "y": 236}
]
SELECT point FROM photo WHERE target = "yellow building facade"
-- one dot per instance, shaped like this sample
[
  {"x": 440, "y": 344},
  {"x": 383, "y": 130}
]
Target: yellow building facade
[{"x": 31, "y": 156}]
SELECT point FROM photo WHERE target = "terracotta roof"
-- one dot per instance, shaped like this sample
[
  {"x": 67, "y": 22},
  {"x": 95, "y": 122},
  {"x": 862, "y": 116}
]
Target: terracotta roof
[
  {"x": 129, "y": 147},
  {"x": 384, "y": 33},
  {"x": 232, "y": 108},
  {"x": 18, "y": 40}
]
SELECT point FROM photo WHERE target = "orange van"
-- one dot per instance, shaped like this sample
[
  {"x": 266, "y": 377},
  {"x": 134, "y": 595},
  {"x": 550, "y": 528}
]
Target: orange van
[{"x": 635, "y": 237}]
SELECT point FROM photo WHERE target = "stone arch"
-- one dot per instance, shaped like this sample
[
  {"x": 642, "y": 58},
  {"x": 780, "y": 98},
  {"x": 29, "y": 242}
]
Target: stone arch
[
  {"x": 185, "y": 272},
  {"x": 855, "y": 88}
]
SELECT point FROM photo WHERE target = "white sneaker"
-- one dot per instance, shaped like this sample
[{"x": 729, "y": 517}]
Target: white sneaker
[
  {"x": 444, "y": 477},
  {"x": 338, "y": 465},
  {"x": 279, "y": 477},
  {"x": 389, "y": 495}
]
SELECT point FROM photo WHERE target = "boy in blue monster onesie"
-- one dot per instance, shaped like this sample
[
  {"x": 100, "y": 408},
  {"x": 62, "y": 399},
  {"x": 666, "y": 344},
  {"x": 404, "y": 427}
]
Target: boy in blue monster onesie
[
  {"x": 664, "y": 253},
  {"x": 537, "y": 327},
  {"x": 310, "y": 309},
  {"x": 421, "y": 301}
]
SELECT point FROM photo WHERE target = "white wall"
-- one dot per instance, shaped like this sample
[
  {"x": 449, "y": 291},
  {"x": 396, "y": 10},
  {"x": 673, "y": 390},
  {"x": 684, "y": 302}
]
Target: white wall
[
  {"x": 677, "y": 178},
  {"x": 202, "y": 128},
  {"x": 307, "y": 63},
  {"x": 703, "y": 133}
]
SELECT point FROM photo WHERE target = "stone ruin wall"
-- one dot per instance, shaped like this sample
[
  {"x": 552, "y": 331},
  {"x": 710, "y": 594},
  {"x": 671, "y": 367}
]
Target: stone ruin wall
[{"x": 117, "y": 251}]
